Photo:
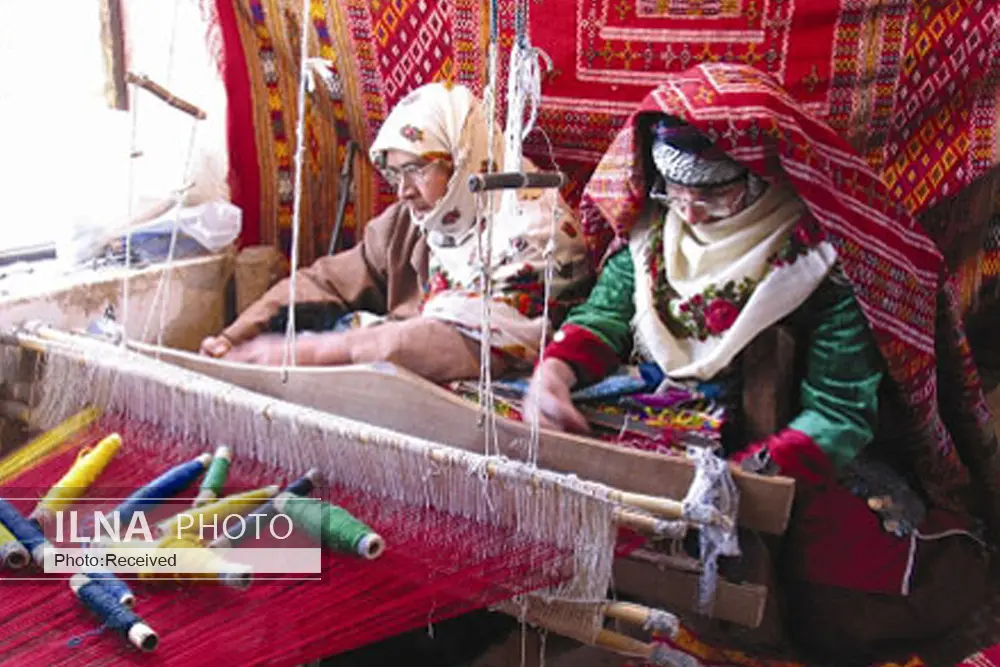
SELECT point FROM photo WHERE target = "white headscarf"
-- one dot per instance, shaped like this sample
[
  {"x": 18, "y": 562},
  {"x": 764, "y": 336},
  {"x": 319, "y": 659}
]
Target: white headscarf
[{"x": 442, "y": 120}]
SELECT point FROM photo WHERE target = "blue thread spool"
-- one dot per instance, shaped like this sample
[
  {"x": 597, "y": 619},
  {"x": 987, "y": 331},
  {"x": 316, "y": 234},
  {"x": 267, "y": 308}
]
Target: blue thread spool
[
  {"x": 25, "y": 531},
  {"x": 115, "y": 616},
  {"x": 167, "y": 485},
  {"x": 115, "y": 586},
  {"x": 303, "y": 486}
]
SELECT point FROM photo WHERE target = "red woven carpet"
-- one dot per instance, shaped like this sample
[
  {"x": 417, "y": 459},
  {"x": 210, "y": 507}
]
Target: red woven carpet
[{"x": 435, "y": 566}]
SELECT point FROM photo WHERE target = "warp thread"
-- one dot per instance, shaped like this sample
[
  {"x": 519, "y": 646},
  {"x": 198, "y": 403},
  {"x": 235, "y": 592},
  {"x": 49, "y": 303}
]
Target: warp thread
[
  {"x": 26, "y": 532},
  {"x": 331, "y": 525}
]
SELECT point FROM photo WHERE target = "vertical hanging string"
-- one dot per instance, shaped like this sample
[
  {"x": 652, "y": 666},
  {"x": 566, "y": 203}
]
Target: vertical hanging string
[
  {"x": 487, "y": 412},
  {"x": 133, "y": 152},
  {"x": 163, "y": 284},
  {"x": 524, "y": 90},
  {"x": 288, "y": 354}
]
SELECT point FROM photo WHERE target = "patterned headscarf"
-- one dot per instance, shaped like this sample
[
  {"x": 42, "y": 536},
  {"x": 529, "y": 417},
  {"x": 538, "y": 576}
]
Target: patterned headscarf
[{"x": 441, "y": 121}]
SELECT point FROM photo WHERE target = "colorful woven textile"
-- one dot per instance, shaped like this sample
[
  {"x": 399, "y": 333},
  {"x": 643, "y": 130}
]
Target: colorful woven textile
[
  {"x": 261, "y": 70},
  {"x": 987, "y": 658},
  {"x": 912, "y": 85}
]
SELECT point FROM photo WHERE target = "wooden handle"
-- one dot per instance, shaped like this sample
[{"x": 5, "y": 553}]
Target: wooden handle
[
  {"x": 640, "y": 616},
  {"x": 146, "y": 83},
  {"x": 516, "y": 180},
  {"x": 623, "y": 645}
]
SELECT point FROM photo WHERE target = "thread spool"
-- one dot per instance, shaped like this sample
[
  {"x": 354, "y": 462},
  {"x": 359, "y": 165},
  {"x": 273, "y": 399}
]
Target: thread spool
[
  {"x": 24, "y": 531},
  {"x": 167, "y": 485},
  {"x": 13, "y": 555},
  {"x": 332, "y": 526},
  {"x": 89, "y": 464},
  {"x": 303, "y": 486},
  {"x": 240, "y": 503},
  {"x": 115, "y": 586},
  {"x": 215, "y": 477},
  {"x": 204, "y": 563},
  {"x": 114, "y": 615}
]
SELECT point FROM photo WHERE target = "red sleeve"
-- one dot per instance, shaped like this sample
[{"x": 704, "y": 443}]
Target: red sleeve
[
  {"x": 795, "y": 454},
  {"x": 590, "y": 357}
]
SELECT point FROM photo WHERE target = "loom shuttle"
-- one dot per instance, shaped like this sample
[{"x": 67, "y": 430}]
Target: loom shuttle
[
  {"x": 100, "y": 602},
  {"x": 81, "y": 475},
  {"x": 239, "y": 504},
  {"x": 303, "y": 486},
  {"x": 13, "y": 555},
  {"x": 215, "y": 477},
  {"x": 369, "y": 546},
  {"x": 26, "y": 532},
  {"x": 115, "y": 586},
  {"x": 167, "y": 485}
]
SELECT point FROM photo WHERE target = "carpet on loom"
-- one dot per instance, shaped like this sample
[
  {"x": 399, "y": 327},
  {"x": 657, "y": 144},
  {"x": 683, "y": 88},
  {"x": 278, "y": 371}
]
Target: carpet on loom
[{"x": 435, "y": 567}]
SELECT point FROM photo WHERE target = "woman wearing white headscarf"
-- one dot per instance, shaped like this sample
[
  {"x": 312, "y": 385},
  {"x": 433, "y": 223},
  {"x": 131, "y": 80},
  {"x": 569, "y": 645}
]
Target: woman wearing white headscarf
[{"x": 415, "y": 276}]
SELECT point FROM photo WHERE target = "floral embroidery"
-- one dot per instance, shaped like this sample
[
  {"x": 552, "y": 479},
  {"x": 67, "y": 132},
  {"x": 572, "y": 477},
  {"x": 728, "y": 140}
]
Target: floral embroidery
[
  {"x": 411, "y": 133},
  {"x": 451, "y": 217},
  {"x": 437, "y": 282},
  {"x": 714, "y": 310},
  {"x": 804, "y": 237}
]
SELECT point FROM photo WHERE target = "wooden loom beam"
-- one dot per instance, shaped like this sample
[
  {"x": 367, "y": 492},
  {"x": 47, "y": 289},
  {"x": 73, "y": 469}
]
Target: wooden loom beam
[{"x": 394, "y": 398}]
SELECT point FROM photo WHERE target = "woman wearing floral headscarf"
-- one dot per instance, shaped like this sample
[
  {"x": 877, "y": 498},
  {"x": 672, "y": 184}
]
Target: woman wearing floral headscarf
[
  {"x": 708, "y": 244},
  {"x": 414, "y": 279}
]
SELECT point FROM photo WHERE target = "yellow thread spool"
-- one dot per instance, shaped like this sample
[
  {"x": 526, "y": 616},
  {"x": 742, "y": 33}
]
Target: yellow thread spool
[
  {"x": 88, "y": 466},
  {"x": 238, "y": 503},
  {"x": 16, "y": 462},
  {"x": 197, "y": 562},
  {"x": 13, "y": 555}
]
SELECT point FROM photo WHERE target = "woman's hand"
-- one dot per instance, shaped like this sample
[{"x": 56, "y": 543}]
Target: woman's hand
[
  {"x": 215, "y": 346},
  {"x": 550, "y": 387}
]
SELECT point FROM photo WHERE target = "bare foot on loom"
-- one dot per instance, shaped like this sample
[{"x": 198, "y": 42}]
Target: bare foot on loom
[
  {"x": 550, "y": 387},
  {"x": 215, "y": 346},
  {"x": 269, "y": 350}
]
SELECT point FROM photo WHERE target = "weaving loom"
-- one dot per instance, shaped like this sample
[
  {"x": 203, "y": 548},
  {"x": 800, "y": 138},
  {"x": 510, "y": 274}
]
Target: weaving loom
[{"x": 462, "y": 531}]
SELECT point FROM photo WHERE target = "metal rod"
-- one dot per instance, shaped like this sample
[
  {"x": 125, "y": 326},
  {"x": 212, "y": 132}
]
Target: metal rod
[
  {"x": 514, "y": 180},
  {"x": 346, "y": 179}
]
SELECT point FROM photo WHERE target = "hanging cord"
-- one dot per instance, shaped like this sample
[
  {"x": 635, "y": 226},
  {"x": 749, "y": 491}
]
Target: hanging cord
[
  {"x": 487, "y": 413},
  {"x": 524, "y": 89},
  {"x": 163, "y": 284},
  {"x": 133, "y": 152},
  {"x": 288, "y": 354}
]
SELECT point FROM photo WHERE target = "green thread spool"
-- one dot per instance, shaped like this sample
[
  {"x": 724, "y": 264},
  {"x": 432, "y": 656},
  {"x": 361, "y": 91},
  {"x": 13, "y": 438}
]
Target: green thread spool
[
  {"x": 12, "y": 553},
  {"x": 332, "y": 526},
  {"x": 215, "y": 477}
]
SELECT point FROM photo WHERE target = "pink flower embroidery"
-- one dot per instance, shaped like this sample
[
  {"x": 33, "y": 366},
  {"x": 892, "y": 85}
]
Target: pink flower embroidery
[
  {"x": 451, "y": 217},
  {"x": 720, "y": 315},
  {"x": 411, "y": 133}
]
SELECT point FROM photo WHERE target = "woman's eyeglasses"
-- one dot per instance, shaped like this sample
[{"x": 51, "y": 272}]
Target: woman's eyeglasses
[
  {"x": 711, "y": 202},
  {"x": 413, "y": 172}
]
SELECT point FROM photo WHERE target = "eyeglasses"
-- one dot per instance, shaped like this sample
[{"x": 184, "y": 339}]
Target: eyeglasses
[
  {"x": 413, "y": 172},
  {"x": 712, "y": 202}
]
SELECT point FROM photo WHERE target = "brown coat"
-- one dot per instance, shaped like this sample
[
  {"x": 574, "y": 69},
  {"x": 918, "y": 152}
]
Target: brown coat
[{"x": 384, "y": 274}]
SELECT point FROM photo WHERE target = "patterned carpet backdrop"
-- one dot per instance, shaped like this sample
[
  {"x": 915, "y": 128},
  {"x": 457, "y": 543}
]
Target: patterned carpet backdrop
[{"x": 912, "y": 84}]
